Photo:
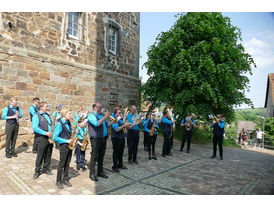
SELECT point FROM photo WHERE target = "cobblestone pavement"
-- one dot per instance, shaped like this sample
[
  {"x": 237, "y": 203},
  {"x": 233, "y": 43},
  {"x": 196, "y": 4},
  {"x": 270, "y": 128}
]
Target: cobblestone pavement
[{"x": 241, "y": 172}]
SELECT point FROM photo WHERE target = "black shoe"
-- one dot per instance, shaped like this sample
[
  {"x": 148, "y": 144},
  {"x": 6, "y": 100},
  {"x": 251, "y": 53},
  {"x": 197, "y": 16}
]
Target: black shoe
[
  {"x": 154, "y": 158},
  {"x": 170, "y": 154},
  {"x": 13, "y": 154},
  {"x": 93, "y": 178},
  {"x": 115, "y": 170},
  {"x": 149, "y": 158},
  {"x": 103, "y": 175},
  {"x": 130, "y": 162},
  {"x": 181, "y": 150},
  {"x": 163, "y": 155},
  {"x": 59, "y": 185},
  {"x": 34, "y": 152},
  {"x": 84, "y": 169},
  {"x": 67, "y": 183},
  {"x": 36, "y": 175},
  {"x": 136, "y": 162},
  {"x": 8, "y": 155},
  {"x": 213, "y": 156},
  {"x": 187, "y": 151},
  {"x": 48, "y": 172},
  {"x": 78, "y": 168},
  {"x": 221, "y": 158},
  {"x": 123, "y": 167}
]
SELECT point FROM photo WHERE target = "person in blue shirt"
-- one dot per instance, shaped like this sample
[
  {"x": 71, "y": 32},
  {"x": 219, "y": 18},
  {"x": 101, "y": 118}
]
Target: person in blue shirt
[
  {"x": 118, "y": 141},
  {"x": 218, "y": 136},
  {"x": 62, "y": 135},
  {"x": 41, "y": 125},
  {"x": 97, "y": 128},
  {"x": 166, "y": 128},
  {"x": 32, "y": 111},
  {"x": 117, "y": 106},
  {"x": 79, "y": 113},
  {"x": 151, "y": 139},
  {"x": 80, "y": 155},
  {"x": 132, "y": 137},
  {"x": 11, "y": 114},
  {"x": 146, "y": 134},
  {"x": 188, "y": 123}
]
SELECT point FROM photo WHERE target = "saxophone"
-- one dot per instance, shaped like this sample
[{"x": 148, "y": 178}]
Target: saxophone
[
  {"x": 85, "y": 143},
  {"x": 51, "y": 141},
  {"x": 153, "y": 128},
  {"x": 72, "y": 144}
]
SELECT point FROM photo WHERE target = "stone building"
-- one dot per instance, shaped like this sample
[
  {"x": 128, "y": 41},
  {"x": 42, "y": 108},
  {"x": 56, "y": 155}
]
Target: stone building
[
  {"x": 269, "y": 97},
  {"x": 69, "y": 58}
]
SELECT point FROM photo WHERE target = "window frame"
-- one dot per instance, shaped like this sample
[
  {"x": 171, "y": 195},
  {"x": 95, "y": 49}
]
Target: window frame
[{"x": 79, "y": 23}]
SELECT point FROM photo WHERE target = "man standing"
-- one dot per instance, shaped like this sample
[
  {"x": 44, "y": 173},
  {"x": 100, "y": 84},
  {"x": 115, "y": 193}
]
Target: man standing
[
  {"x": 118, "y": 141},
  {"x": 218, "y": 136},
  {"x": 11, "y": 114},
  {"x": 259, "y": 137},
  {"x": 97, "y": 128},
  {"x": 41, "y": 124},
  {"x": 133, "y": 137},
  {"x": 32, "y": 111},
  {"x": 188, "y": 123},
  {"x": 146, "y": 134},
  {"x": 166, "y": 128}
]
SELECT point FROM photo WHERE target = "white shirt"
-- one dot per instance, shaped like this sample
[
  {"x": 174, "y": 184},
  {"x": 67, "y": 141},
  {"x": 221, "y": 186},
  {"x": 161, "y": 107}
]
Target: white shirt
[{"x": 259, "y": 135}]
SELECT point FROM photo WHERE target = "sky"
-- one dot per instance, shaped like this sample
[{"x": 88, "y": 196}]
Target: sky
[{"x": 258, "y": 39}]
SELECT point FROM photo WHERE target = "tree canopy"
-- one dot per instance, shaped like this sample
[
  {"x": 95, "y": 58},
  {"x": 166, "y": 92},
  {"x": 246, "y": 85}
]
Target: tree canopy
[{"x": 199, "y": 66}]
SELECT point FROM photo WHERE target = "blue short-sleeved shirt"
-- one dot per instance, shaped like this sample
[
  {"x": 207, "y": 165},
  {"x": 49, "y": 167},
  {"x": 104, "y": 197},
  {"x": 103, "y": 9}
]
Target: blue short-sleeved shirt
[
  {"x": 129, "y": 119},
  {"x": 93, "y": 120},
  {"x": 35, "y": 123},
  {"x": 5, "y": 112}
]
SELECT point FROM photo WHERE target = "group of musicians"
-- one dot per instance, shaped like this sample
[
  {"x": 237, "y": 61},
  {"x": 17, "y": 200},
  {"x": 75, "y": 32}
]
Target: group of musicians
[{"x": 60, "y": 130}]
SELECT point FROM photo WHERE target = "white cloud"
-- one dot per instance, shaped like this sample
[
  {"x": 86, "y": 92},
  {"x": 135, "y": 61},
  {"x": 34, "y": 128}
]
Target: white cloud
[{"x": 262, "y": 52}]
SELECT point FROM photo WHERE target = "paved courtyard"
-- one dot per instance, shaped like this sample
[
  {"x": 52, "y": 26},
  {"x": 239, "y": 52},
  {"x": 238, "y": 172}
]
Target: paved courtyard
[{"x": 242, "y": 172}]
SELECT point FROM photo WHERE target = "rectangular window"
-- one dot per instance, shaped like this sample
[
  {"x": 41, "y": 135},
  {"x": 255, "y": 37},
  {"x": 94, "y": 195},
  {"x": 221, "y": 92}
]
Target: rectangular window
[
  {"x": 113, "y": 98},
  {"x": 74, "y": 24},
  {"x": 112, "y": 40}
]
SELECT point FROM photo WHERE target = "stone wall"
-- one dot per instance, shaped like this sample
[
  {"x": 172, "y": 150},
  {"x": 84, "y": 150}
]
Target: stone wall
[{"x": 39, "y": 59}]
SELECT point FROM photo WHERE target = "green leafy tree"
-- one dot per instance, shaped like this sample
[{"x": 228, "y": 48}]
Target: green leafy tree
[{"x": 199, "y": 66}]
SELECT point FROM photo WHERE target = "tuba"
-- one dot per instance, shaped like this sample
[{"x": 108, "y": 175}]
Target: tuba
[
  {"x": 125, "y": 118},
  {"x": 188, "y": 125}
]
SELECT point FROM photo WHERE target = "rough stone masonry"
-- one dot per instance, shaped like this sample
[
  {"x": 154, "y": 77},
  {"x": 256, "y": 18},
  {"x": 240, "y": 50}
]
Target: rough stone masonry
[{"x": 39, "y": 57}]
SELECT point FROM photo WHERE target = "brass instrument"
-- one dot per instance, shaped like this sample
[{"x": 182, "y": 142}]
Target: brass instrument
[
  {"x": 153, "y": 128},
  {"x": 51, "y": 141},
  {"x": 171, "y": 118},
  {"x": 188, "y": 123},
  {"x": 73, "y": 143},
  {"x": 214, "y": 120},
  {"x": 125, "y": 119},
  {"x": 85, "y": 143}
]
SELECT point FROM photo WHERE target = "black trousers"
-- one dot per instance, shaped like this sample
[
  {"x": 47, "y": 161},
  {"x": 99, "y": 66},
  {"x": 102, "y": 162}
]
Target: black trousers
[
  {"x": 35, "y": 144},
  {"x": 80, "y": 156},
  {"x": 146, "y": 139},
  {"x": 218, "y": 139},
  {"x": 171, "y": 139},
  {"x": 151, "y": 143},
  {"x": 44, "y": 154},
  {"x": 133, "y": 141},
  {"x": 186, "y": 136},
  {"x": 11, "y": 136},
  {"x": 118, "y": 151},
  {"x": 63, "y": 167},
  {"x": 98, "y": 152},
  {"x": 167, "y": 143}
]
